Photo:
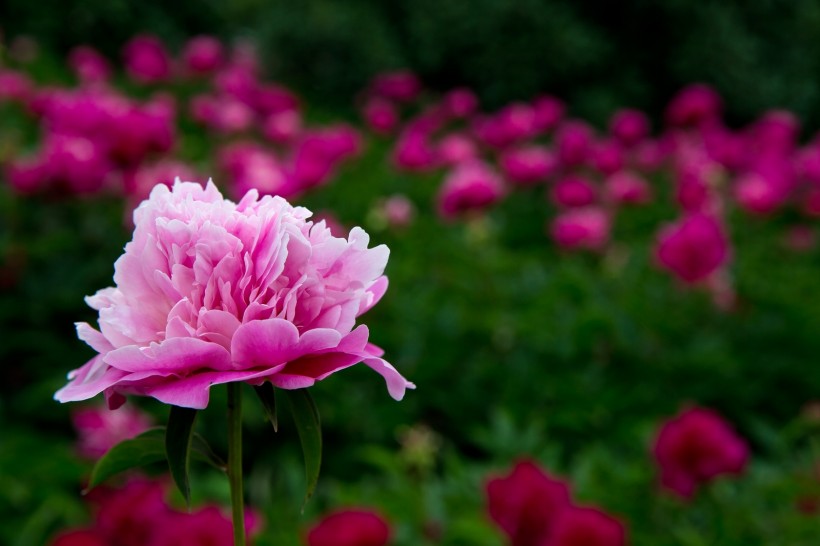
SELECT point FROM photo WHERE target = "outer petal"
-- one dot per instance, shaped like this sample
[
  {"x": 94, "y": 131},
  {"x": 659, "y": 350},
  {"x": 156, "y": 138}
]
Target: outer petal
[
  {"x": 175, "y": 355},
  {"x": 89, "y": 381},
  {"x": 396, "y": 383},
  {"x": 264, "y": 343}
]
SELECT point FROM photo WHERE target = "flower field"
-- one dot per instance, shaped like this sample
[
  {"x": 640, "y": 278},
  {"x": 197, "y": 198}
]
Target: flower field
[{"x": 583, "y": 333}]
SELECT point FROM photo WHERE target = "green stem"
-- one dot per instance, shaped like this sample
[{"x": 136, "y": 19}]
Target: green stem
[{"x": 235, "y": 461}]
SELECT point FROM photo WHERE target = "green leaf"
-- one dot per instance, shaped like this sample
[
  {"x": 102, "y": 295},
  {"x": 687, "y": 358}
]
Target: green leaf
[
  {"x": 266, "y": 395},
  {"x": 147, "y": 448},
  {"x": 306, "y": 417},
  {"x": 178, "y": 439},
  {"x": 201, "y": 450}
]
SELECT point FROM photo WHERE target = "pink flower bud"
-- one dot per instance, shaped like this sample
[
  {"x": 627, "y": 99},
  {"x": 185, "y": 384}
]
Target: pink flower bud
[
  {"x": 381, "y": 116},
  {"x": 203, "y": 55},
  {"x": 693, "y": 106},
  {"x": 146, "y": 59},
  {"x": 89, "y": 65}
]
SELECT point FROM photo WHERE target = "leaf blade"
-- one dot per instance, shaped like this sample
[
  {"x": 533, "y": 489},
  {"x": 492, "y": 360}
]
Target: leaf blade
[
  {"x": 308, "y": 426},
  {"x": 266, "y": 394},
  {"x": 144, "y": 449},
  {"x": 178, "y": 440}
]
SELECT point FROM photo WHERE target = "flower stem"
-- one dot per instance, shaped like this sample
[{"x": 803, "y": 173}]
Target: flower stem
[{"x": 235, "y": 461}]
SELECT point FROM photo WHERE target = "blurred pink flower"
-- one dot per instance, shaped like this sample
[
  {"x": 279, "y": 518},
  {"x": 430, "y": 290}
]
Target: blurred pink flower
[
  {"x": 455, "y": 148},
  {"x": 250, "y": 166},
  {"x": 401, "y": 86},
  {"x": 584, "y": 228},
  {"x": 203, "y": 55},
  {"x": 607, "y": 157},
  {"x": 381, "y": 115},
  {"x": 627, "y": 188},
  {"x": 398, "y": 211},
  {"x": 350, "y": 527},
  {"x": 100, "y": 429},
  {"x": 629, "y": 127},
  {"x": 210, "y": 292},
  {"x": 582, "y": 526},
  {"x": 511, "y": 124},
  {"x": 470, "y": 186},
  {"x": 526, "y": 503},
  {"x": 573, "y": 191},
  {"x": 89, "y": 65},
  {"x": 693, "y": 248},
  {"x": 696, "y": 446},
  {"x": 139, "y": 182},
  {"x": 146, "y": 59},
  {"x": 15, "y": 86},
  {"x": 758, "y": 194},
  {"x": 694, "y": 105},
  {"x": 79, "y": 537},
  {"x": 207, "y": 526},
  {"x": 130, "y": 515},
  {"x": 528, "y": 165},
  {"x": 574, "y": 143},
  {"x": 283, "y": 127},
  {"x": 320, "y": 152},
  {"x": 414, "y": 151},
  {"x": 460, "y": 102},
  {"x": 547, "y": 113}
]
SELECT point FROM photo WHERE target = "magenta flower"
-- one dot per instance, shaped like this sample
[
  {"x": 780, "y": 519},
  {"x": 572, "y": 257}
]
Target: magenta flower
[
  {"x": 528, "y": 165},
  {"x": 573, "y": 191},
  {"x": 696, "y": 446},
  {"x": 694, "y": 105},
  {"x": 582, "y": 526},
  {"x": 629, "y": 127},
  {"x": 283, "y": 127},
  {"x": 146, "y": 59},
  {"x": 470, "y": 186},
  {"x": 398, "y": 211},
  {"x": 607, "y": 157},
  {"x": 460, "y": 102},
  {"x": 203, "y": 54},
  {"x": 693, "y": 248},
  {"x": 15, "y": 86},
  {"x": 574, "y": 142},
  {"x": 400, "y": 86},
  {"x": 526, "y": 503},
  {"x": 414, "y": 151},
  {"x": 210, "y": 292},
  {"x": 250, "y": 166},
  {"x": 759, "y": 194},
  {"x": 381, "y": 115},
  {"x": 79, "y": 537},
  {"x": 627, "y": 188},
  {"x": 511, "y": 124},
  {"x": 547, "y": 113},
  {"x": 583, "y": 228},
  {"x": 350, "y": 527},
  {"x": 100, "y": 429},
  {"x": 455, "y": 148},
  {"x": 89, "y": 65}
]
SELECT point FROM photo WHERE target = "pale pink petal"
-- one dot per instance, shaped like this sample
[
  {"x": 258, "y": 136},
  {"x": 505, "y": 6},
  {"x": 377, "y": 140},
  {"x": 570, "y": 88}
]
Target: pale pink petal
[
  {"x": 175, "y": 355},
  {"x": 264, "y": 343}
]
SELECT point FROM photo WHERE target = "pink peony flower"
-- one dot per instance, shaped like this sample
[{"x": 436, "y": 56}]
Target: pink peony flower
[
  {"x": 205, "y": 527},
  {"x": 414, "y": 151},
  {"x": 629, "y": 127},
  {"x": 210, "y": 292},
  {"x": 547, "y": 112},
  {"x": 511, "y": 124},
  {"x": 696, "y": 446},
  {"x": 350, "y": 527},
  {"x": 526, "y": 503},
  {"x": 584, "y": 228},
  {"x": 607, "y": 157},
  {"x": 89, "y": 65},
  {"x": 470, "y": 186},
  {"x": 580, "y": 526},
  {"x": 573, "y": 191},
  {"x": 15, "y": 86},
  {"x": 627, "y": 188},
  {"x": 100, "y": 429},
  {"x": 574, "y": 142},
  {"x": 759, "y": 194},
  {"x": 319, "y": 152},
  {"x": 455, "y": 148},
  {"x": 249, "y": 166},
  {"x": 381, "y": 116},
  {"x": 283, "y": 127},
  {"x": 528, "y": 165},
  {"x": 693, "y": 248},
  {"x": 146, "y": 59},
  {"x": 400, "y": 86},
  {"x": 460, "y": 102},
  {"x": 203, "y": 55},
  {"x": 129, "y": 516},
  {"x": 694, "y": 105},
  {"x": 398, "y": 211}
]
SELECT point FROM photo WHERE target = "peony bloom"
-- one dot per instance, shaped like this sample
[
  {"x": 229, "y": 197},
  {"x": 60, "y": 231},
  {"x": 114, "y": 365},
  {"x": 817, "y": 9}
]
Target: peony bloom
[
  {"x": 15, "y": 86},
  {"x": 146, "y": 59},
  {"x": 400, "y": 86},
  {"x": 455, "y": 148},
  {"x": 693, "y": 248},
  {"x": 574, "y": 141},
  {"x": 696, "y": 446},
  {"x": 381, "y": 115},
  {"x": 460, "y": 102},
  {"x": 511, "y": 124},
  {"x": 203, "y": 54},
  {"x": 414, "y": 151},
  {"x": 253, "y": 167},
  {"x": 528, "y": 165},
  {"x": 629, "y": 127},
  {"x": 398, "y": 211},
  {"x": 100, "y": 429},
  {"x": 573, "y": 191},
  {"x": 89, "y": 65},
  {"x": 607, "y": 157},
  {"x": 548, "y": 112},
  {"x": 694, "y": 105},
  {"x": 206, "y": 526},
  {"x": 471, "y": 185},
  {"x": 627, "y": 188},
  {"x": 283, "y": 127},
  {"x": 350, "y": 527},
  {"x": 526, "y": 503},
  {"x": 79, "y": 537},
  {"x": 581, "y": 526},
  {"x": 210, "y": 292},
  {"x": 586, "y": 228}
]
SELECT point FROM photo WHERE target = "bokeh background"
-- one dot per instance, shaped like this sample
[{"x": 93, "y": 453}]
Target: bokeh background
[{"x": 523, "y": 345}]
